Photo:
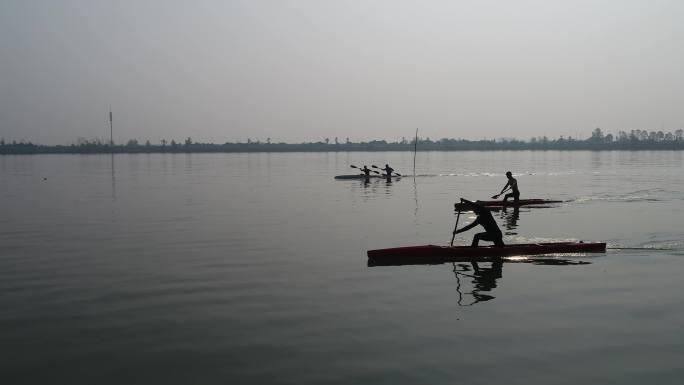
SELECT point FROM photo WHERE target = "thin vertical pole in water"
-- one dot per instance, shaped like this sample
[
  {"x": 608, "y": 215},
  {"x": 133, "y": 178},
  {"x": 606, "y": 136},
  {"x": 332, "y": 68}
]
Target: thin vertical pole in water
[
  {"x": 415, "y": 149},
  {"x": 415, "y": 186},
  {"x": 111, "y": 129}
]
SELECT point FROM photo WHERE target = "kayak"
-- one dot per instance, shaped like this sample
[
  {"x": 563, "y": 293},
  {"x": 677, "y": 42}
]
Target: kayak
[
  {"x": 440, "y": 254},
  {"x": 511, "y": 203},
  {"x": 361, "y": 176}
]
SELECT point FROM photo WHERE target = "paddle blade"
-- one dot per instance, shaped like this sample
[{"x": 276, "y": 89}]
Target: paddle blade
[
  {"x": 352, "y": 166},
  {"x": 374, "y": 166}
]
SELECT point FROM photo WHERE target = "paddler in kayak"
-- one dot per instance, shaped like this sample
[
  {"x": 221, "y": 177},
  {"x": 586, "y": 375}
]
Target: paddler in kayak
[
  {"x": 388, "y": 170},
  {"x": 513, "y": 185},
  {"x": 366, "y": 171},
  {"x": 485, "y": 219}
]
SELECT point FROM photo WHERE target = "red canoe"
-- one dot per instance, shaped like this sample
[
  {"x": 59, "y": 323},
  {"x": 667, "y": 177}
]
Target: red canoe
[
  {"x": 510, "y": 203},
  {"x": 431, "y": 253}
]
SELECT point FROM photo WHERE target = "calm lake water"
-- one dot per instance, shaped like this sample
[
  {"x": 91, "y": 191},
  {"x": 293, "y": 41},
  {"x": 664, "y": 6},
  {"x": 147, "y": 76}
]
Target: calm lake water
[{"x": 251, "y": 269}]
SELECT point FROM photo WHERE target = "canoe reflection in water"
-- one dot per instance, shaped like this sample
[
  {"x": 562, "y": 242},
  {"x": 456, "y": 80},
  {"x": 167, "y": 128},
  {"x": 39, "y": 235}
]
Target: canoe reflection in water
[
  {"x": 483, "y": 272},
  {"x": 484, "y": 278},
  {"x": 387, "y": 180}
]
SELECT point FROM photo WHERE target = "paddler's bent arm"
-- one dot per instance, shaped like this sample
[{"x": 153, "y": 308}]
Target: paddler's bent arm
[{"x": 467, "y": 227}]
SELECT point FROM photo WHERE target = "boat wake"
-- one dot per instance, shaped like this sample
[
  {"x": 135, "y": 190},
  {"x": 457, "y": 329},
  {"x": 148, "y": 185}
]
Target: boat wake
[
  {"x": 666, "y": 244},
  {"x": 493, "y": 174},
  {"x": 502, "y": 175},
  {"x": 647, "y": 195}
]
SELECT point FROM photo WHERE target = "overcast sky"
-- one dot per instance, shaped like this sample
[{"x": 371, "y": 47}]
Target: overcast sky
[{"x": 305, "y": 70}]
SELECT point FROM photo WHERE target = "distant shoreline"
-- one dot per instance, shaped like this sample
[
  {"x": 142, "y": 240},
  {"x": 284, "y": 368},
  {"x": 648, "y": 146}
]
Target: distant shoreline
[
  {"x": 44, "y": 150},
  {"x": 635, "y": 140}
]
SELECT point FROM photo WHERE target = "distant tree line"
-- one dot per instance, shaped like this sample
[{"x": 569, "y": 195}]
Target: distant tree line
[{"x": 598, "y": 141}]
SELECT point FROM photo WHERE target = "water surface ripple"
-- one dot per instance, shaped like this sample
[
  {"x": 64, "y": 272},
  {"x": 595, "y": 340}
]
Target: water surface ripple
[{"x": 251, "y": 269}]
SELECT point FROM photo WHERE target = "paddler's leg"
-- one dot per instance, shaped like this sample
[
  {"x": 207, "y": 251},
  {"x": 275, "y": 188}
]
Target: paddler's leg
[
  {"x": 478, "y": 237},
  {"x": 498, "y": 241}
]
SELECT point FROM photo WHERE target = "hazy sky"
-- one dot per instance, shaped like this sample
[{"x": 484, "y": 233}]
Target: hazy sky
[{"x": 306, "y": 70}]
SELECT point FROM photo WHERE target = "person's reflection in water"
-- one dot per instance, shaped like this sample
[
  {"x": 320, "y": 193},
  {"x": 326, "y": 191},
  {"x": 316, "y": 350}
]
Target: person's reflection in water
[
  {"x": 510, "y": 219},
  {"x": 484, "y": 279},
  {"x": 388, "y": 187}
]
